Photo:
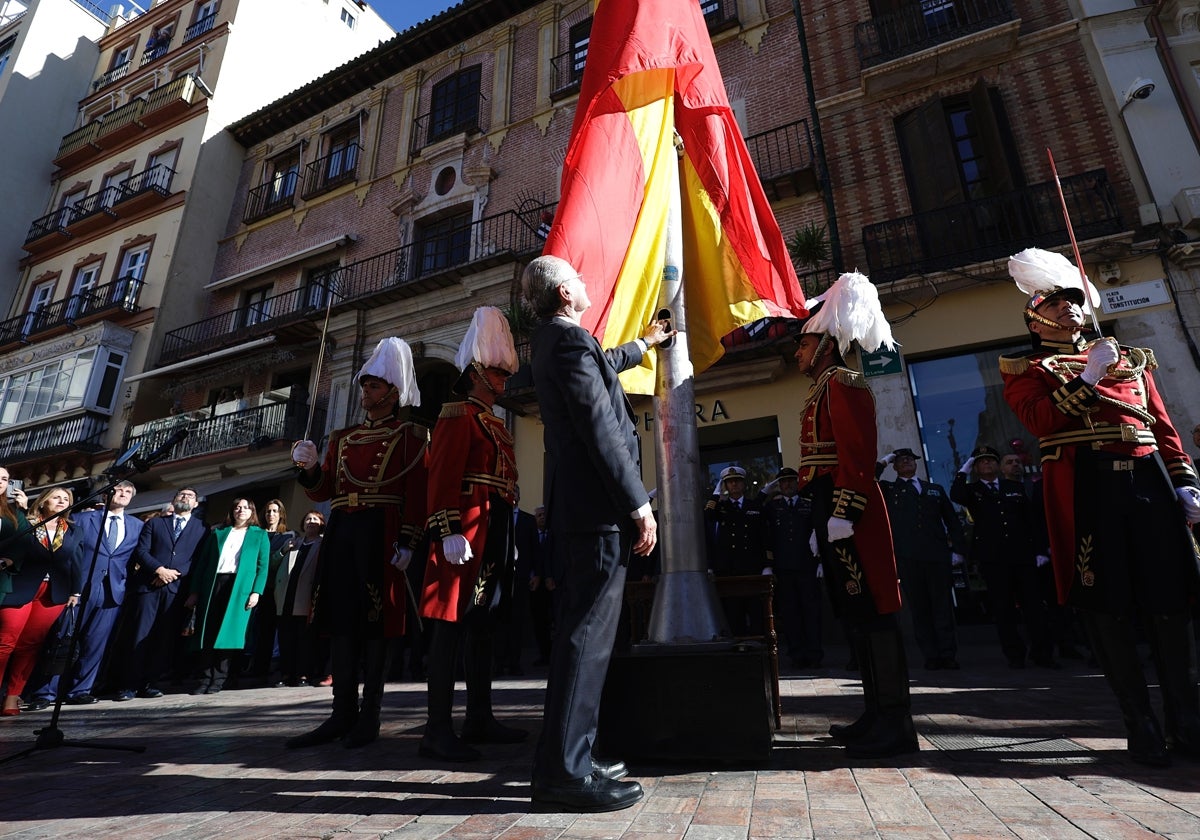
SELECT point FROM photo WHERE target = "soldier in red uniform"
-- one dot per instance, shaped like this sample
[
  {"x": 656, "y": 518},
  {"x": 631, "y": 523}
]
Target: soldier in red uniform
[
  {"x": 838, "y": 451},
  {"x": 1119, "y": 492},
  {"x": 469, "y": 574},
  {"x": 374, "y": 476}
]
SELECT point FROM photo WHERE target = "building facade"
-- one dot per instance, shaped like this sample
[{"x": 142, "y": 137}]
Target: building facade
[{"x": 138, "y": 195}]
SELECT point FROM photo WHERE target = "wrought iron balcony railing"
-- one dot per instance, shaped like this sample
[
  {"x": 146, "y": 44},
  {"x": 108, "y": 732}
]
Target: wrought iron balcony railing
[
  {"x": 54, "y": 221},
  {"x": 991, "y": 228},
  {"x": 273, "y": 197},
  {"x": 155, "y": 179},
  {"x": 80, "y": 433},
  {"x": 200, "y": 27},
  {"x": 566, "y": 70},
  {"x": 255, "y": 426},
  {"x": 926, "y": 24},
  {"x": 781, "y": 151},
  {"x": 332, "y": 171},
  {"x": 438, "y": 125},
  {"x": 509, "y": 234},
  {"x": 238, "y": 325},
  {"x": 156, "y": 52},
  {"x": 121, "y": 295},
  {"x": 114, "y": 75},
  {"x": 250, "y": 427},
  {"x": 94, "y": 204}
]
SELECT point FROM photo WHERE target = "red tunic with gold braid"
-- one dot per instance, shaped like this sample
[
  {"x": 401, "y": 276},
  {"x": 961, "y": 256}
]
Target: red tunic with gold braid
[
  {"x": 471, "y": 470},
  {"x": 838, "y": 440},
  {"x": 374, "y": 475},
  {"x": 1122, "y": 414}
]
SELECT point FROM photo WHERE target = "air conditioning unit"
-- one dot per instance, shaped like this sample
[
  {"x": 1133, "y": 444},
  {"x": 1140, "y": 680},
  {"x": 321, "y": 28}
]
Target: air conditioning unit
[{"x": 1187, "y": 205}]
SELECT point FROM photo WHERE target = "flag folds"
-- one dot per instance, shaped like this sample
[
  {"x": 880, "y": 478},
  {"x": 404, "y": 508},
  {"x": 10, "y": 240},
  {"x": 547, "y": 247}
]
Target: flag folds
[{"x": 651, "y": 68}]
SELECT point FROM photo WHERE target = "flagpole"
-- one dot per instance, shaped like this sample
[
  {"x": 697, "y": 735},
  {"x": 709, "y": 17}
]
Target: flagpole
[{"x": 685, "y": 607}]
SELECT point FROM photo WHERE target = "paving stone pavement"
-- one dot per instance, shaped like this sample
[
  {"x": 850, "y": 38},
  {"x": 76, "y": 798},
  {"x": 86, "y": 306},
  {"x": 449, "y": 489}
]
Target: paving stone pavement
[{"x": 1029, "y": 754}]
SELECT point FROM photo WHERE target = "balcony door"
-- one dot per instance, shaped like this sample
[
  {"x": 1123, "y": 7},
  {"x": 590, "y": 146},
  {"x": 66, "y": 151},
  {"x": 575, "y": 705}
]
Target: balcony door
[
  {"x": 39, "y": 300},
  {"x": 159, "y": 169},
  {"x": 82, "y": 301},
  {"x": 962, "y": 173}
]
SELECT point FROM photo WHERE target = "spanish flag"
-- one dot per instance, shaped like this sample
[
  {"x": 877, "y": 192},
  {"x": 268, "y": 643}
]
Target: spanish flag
[{"x": 650, "y": 69}]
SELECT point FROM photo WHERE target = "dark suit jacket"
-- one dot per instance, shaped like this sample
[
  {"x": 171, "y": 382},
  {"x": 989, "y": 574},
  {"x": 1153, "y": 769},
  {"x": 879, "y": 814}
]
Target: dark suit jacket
[
  {"x": 593, "y": 477},
  {"x": 526, "y": 537},
  {"x": 111, "y": 566},
  {"x": 34, "y": 561},
  {"x": 925, "y": 527},
  {"x": 1004, "y": 527},
  {"x": 157, "y": 547}
]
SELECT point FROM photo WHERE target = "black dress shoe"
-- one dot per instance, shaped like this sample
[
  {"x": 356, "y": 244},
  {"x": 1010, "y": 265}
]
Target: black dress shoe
[
  {"x": 446, "y": 747},
  {"x": 82, "y": 699},
  {"x": 950, "y": 663},
  {"x": 200, "y": 689},
  {"x": 614, "y": 770},
  {"x": 36, "y": 705},
  {"x": 149, "y": 693},
  {"x": 125, "y": 694},
  {"x": 492, "y": 732},
  {"x": 591, "y": 794}
]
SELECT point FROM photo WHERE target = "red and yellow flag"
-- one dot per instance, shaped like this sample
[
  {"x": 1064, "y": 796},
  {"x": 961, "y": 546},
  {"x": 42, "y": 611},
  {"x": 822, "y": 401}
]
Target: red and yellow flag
[{"x": 650, "y": 68}]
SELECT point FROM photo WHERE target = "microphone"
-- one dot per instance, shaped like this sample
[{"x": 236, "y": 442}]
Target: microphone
[{"x": 144, "y": 462}]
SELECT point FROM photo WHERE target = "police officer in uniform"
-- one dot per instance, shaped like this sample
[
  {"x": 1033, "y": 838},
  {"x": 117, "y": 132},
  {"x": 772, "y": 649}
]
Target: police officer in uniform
[
  {"x": 929, "y": 542},
  {"x": 1003, "y": 544},
  {"x": 788, "y": 518},
  {"x": 736, "y": 533},
  {"x": 1119, "y": 494},
  {"x": 373, "y": 476}
]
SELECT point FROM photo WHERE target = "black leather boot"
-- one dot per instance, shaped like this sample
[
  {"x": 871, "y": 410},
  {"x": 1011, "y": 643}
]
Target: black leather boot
[
  {"x": 481, "y": 726},
  {"x": 376, "y": 657},
  {"x": 844, "y": 733},
  {"x": 345, "y": 697},
  {"x": 439, "y": 741},
  {"x": 1174, "y": 647},
  {"x": 892, "y": 731},
  {"x": 1116, "y": 650}
]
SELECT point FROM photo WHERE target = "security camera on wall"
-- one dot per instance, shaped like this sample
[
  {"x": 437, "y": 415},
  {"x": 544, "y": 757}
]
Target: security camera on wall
[{"x": 1140, "y": 89}]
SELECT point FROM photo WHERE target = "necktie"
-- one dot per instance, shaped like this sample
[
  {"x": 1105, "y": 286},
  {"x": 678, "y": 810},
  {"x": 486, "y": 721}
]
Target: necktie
[
  {"x": 178, "y": 526},
  {"x": 995, "y": 485},
  {"x": 114, "y": 532}
]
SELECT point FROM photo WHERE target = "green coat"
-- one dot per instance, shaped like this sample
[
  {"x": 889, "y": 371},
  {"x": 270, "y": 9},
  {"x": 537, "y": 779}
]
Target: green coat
[
  {"x": 10, "y": 550},
  {"x": 251, "y": 577}
]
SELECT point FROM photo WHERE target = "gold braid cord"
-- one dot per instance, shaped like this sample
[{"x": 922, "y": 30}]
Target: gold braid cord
[{"x": 1067, "y": 368}]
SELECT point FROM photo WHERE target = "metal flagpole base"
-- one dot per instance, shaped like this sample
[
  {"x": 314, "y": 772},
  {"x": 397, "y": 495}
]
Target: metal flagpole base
[{"x": 685, "y": 609}]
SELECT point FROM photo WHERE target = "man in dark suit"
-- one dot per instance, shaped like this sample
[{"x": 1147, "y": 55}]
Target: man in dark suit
[
  {"x": 163, "y": 559},
  {"x": 790, "y": 558},
  {"x": 929, "y": 542},
  {"x": 101, "y": 602},
  {"x": 541, "y": 588},
  {"x": 512, "y": 632},
  {"x": 598, "y": 511},
  {"x": 1002, "y": 542},
  {"x": 735, "y": 530}
]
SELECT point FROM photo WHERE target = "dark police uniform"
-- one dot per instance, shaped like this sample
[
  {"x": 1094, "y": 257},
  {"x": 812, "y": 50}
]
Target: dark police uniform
[{"x": 789, "y": 526}]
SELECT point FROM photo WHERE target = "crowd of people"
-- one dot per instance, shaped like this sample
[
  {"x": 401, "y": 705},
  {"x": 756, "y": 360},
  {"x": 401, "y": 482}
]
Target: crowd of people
[{"x": 152, "y": 597}]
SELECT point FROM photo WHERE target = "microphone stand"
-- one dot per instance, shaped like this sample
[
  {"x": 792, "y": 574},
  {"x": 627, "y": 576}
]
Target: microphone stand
[{"x": 50, "y": 736}]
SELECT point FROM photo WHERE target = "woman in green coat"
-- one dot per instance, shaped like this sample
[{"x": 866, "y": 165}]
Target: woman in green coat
[
  {"x": 12, "y": 520},
  {"x": 226, "y": 585}
]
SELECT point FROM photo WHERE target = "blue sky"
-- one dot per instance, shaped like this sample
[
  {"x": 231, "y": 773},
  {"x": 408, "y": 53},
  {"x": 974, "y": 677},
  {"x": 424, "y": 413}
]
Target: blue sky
[{"x": 402, "y": 14}]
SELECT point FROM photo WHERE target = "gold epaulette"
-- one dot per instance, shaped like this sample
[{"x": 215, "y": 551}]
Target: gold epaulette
[
  {"x": 454, "y": 409},
  {"x": 1014, "y": 365},
  {"x": 851, "y": 377}
]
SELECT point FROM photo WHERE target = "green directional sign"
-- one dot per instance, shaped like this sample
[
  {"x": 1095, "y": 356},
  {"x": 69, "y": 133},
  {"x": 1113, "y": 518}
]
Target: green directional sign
[{"x": 881, "y": 363}]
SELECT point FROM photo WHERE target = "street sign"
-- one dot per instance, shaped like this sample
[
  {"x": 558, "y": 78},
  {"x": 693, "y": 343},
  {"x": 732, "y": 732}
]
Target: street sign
[{"x": 881, "y": 363}]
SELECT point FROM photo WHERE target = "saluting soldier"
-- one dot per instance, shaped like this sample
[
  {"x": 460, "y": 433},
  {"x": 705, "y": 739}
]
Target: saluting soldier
[
  {"x": 789, "y": 523},
  {"x": 838, "y": 449},
  {"x": 736, "y": 532},
  {"x": 469, "y": 572},
  {"x": 373, "y": 476},
  {"x": 1119, "y": 494}
]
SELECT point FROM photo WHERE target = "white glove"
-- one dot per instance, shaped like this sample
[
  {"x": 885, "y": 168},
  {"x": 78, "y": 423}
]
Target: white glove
[
  {"x": 718, "y": 488},
  {"x": 402, "y": 558},
  {"x": 457, "y": 549},
  {"x": 839, "y": 529},
  {"x": 812, "y": 544},
  {"x": 965, "y": 469},
  {"x": 820, "y": 571},
  {"x": 888, "y": 458},
  {"x": 1102, "y": 354},
  {"x": 957, "y": 559},
  {"x": 1042, "y": 560},
  {"x": 305, "y": 454},
  {"x": 1189, "y": 497},
  {"x": 767, "y": 570}
]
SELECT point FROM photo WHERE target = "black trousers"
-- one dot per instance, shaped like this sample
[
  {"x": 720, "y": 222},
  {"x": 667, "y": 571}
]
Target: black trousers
[
  {"x": 589, "y": 608},
  {"x": 928, "y": 588},
  {"x": 1015, "y": 594}
]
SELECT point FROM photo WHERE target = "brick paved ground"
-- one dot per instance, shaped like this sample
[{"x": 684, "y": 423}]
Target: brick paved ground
[{"x": 1030, "y": 754}]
